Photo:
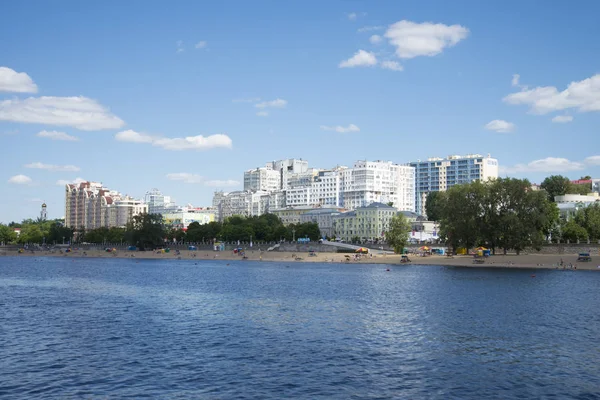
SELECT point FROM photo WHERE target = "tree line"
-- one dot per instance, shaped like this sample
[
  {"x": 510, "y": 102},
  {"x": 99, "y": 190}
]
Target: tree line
[
  {"x": 36, "y": 231},
  {"x": 504, "y": 213}
]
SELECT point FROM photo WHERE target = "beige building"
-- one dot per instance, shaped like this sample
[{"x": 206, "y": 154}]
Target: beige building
[
  {"x": 367, "y": 223},
  {"x": 89, "y": 205}
]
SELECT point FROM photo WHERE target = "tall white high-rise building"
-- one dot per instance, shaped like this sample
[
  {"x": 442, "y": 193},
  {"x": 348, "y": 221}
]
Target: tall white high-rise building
[
  {"x": 263, "y": 178},
  {"x": 378, "y": 181},
  {"x": 440, "y": 174},
  {"x": 158, "y": 203}
]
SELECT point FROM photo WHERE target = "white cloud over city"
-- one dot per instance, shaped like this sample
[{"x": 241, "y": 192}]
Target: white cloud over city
[
  {"x": 52, "y": 167},
  {"x": 582, "y": 96},
  {"x": 78, "y": 112},
  {"x": 361, "y": 58},
  {"x": 55, "y": 135},
  {"x": 552, "y": 165},
  {"x": 412, "y": 39},
  {"x": 198, "y": 142},
  {"x": 16, "y": 82},
  {"x": 20, "y": 180},
  {"x": 191, "y": 178},
  {"x": 562, "y": 119},
  {"x": 277, "y": 103},
  {"x": 408, "y": 40},
  {"x": 76, "y": 181},
  {"x": 341, "y": 129},
  {"x": 500, "y": 126}
]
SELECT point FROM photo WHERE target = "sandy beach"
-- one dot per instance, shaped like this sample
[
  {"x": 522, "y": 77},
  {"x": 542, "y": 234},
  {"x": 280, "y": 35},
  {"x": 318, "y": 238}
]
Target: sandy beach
[{"x": 539, "y": 261}]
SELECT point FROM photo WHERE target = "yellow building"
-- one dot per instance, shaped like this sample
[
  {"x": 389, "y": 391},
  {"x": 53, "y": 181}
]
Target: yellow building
[{"x": 367, "y": 223}]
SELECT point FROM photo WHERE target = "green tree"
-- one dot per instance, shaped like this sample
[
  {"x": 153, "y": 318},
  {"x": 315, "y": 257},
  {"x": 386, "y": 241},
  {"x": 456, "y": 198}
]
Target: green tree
[
  {"x": 582, "y": 188},
  {"x": 434, "y": 205},
  {"x": 397, "y": 234},
  {"x": 589, "y": 219},
  {"x": 7, "y": 234},
  {"x": 31, "y": 233},
  {"x": 59, "y": 233},
  {"x": 177, "y": 234},
  {"x": 556, "y": 185},
  {"x": 573, "y": 232},
  {"x": 146, "y": 231},
  {"x": 462, "y": 215}
]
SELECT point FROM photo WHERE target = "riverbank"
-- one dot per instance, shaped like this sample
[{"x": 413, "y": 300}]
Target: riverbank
[{"x": 540, "y": 261}]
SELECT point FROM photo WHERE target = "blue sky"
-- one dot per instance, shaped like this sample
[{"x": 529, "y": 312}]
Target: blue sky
[{"x": 330, "y": 82}]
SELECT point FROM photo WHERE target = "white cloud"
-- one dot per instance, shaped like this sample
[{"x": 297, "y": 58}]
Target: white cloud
[
  {"x": 262, "y": 114},
  {"x": 360, "y": 59},
  {"x": 413, "y": 39},
  {"x": 593, "y": 160},
  {"x": 370, "y": 28},
  {"x": 562, "y": 119},
  {"x": 247, "y": 100},
  {"x": 392, "y": 65},
  {"x": 375, "y": 39},
  {"x": 500, "y": 126},
  {"x": 341, "y": 129},
  {"x": 20, "y": 180},
  {"x": 179, "y": 46},
  {"x": 188, "y": 143},
  {"x": 50, "y": 167},
  {"x": 134, "y": 137},
  {"x": 79, "y": 112},
  {"x": 54, "y": 135},
  {"x": 277, "y": 103},
  {"x": 76, "y": 181},
  {"x": 13, "y": 81},
  {"x": 219, "y": 183},
  {"x": 352, "y": 16},
  {"x": 185, "y": 177},
  {"x": 201, "y": 44},
  {"x": 582, "y": 95},
  {"x": 549, "y": 164},
  {"x": 515, "y": 80}
]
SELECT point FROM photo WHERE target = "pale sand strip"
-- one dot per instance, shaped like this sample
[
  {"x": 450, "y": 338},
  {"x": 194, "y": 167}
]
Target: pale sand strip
[{"x": 540, "y": 261}]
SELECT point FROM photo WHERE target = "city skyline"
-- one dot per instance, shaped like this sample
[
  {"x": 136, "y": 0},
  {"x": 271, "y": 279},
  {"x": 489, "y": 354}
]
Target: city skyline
[{"x": 187, "y": 98}]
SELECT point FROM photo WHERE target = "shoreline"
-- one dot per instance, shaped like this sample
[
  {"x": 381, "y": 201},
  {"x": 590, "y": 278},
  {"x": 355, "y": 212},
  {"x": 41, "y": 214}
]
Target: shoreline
[{"x": 524, "y": 261}]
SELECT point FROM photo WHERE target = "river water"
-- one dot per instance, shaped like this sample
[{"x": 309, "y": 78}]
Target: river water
[{"x": 119, "y": 328}]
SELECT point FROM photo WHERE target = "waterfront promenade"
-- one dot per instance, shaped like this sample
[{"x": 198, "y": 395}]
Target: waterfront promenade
[{"x": 540, "y": 261}]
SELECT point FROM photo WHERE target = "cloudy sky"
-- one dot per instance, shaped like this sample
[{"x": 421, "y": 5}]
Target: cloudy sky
[{"x": 184, "y": 96}]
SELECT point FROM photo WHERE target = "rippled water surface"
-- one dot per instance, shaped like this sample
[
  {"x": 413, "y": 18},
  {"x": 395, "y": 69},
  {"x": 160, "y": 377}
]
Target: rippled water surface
[{"x": 90, "y": 328}]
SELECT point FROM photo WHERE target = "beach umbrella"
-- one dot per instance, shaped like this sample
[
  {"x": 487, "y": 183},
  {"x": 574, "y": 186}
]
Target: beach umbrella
[
  {"x": 362, "y": 250},
  {"x": 480, "y": 248},
  {"x": 424, "y": 248}
]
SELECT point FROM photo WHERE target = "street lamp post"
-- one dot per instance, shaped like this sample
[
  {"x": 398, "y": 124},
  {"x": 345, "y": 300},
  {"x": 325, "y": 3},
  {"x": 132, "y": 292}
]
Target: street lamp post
[{"x": 293, "y": 235}]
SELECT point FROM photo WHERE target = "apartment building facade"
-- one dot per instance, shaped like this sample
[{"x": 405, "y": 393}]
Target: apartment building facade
[{"x": 439, "y": 174}]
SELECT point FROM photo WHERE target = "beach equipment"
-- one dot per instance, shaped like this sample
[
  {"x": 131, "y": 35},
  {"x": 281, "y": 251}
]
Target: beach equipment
[
  {"x": 362, "y": 250},
  {"x": 424, "y": 248}
]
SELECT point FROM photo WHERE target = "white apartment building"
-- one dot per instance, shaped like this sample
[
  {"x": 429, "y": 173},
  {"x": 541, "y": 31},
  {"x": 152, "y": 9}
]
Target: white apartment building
[
  {"x": 439, "y": 174},
  {"x": 244, "y": 203},
  {"x": 263, "y": 178},
  {"x": 158, "y": 203},
  {"x": 378, "y": 182}
]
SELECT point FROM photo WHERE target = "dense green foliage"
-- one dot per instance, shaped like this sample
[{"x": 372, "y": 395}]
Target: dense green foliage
[
  {"x": 104, "y": 235},
  {"x": 502, "y": 213},
  {"x": 558, "y": 185},
  {"x": 397, "y": 235},
  {"x": 36, "y": 232},
  {"x": 264, "y": 228},
  {"x": 585, "y": 225},
  {"x": 433, "y": 206},
  {"x": 146, "y": 231}
]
